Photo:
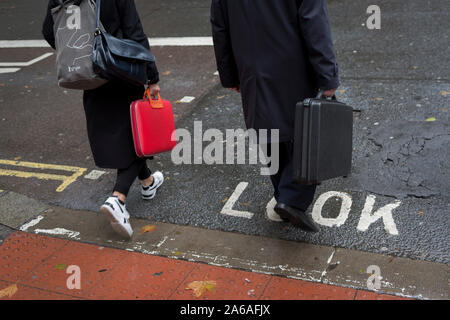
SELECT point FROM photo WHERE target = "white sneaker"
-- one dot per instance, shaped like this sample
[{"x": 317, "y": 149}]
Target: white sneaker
[
  {"x": 118, "y": 216},
  {"x": 150, "y": 191}
]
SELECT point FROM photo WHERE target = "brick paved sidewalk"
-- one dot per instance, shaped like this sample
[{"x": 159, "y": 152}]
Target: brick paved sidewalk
[{"x": 34, "y": 267}]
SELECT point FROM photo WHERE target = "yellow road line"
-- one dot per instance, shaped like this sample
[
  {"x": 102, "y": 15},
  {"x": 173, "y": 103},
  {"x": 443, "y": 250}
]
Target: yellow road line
[
  {"x": 66, "y": 180},
  {"x": 39, "y": 165}
]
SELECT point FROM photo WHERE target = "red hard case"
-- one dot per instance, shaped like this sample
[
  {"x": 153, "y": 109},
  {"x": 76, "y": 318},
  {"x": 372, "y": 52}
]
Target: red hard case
[{"x": 153, "y": 126}]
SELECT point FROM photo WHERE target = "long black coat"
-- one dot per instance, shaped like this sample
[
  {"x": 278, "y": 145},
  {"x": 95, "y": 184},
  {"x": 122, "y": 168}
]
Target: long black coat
[
  {"x": 278, "y": 51},
  {"x": 108, "y": 108}
]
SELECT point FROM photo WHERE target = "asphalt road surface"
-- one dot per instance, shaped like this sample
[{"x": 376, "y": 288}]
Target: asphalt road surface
[{"x": 396, "y": 201}]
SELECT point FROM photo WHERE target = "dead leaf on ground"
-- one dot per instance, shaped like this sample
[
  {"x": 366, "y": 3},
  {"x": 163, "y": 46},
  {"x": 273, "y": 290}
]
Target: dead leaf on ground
[
  {"x": 166, "y": 73},
  {"x": 421, "y": 212},
  {"x": 9, "y": 291},
  {"x": 432, "y": 119},
  {"x": 445, "y": 93},
  {"x": 200, "y": 287},
  {"x": 148, "y": 228},
  {"x": 220, "y": 97},
  {"x": 225, "y": 200}
]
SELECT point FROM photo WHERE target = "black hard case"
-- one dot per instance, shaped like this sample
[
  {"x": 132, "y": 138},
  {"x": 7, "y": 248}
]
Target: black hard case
[{"x": 323, "y": 140}]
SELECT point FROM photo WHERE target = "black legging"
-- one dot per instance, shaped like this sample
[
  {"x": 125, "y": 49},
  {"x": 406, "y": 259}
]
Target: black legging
[{"x": 126, "y": 177}]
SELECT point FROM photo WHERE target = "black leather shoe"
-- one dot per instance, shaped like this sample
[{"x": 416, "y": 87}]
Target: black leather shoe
[{"x": 297, "y": 217}]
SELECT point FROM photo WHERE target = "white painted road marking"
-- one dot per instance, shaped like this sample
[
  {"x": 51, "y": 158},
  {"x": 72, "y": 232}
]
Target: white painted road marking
[
  {"x": 187, "y": 99},
  {"x": 94, "y": 174},
  {"x": 367, "y": 218},
  {"x": 228, "y": 208},
  {"x": 9, "y": 70},
  {"x": 6, "y": 44},
  {"x": 28, "y": 63},
  {"x": 270, "y": 212},
  {"x": 343, "y": 214},
  {"x": 155, "y": 42},
  {"x": 60, "y": 232},
  {"x": 32, "y": 223}
]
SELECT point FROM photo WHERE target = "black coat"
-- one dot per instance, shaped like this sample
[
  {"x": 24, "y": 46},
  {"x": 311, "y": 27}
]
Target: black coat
[
  {"x": 108, "y": 108},
  {"x": 278, "y": 51}
]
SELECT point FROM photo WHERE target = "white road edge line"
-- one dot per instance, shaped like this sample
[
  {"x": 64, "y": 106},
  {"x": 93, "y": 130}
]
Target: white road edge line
[
  {"x": 26, "y": 64},
  {"x": 156, "y": 42}
]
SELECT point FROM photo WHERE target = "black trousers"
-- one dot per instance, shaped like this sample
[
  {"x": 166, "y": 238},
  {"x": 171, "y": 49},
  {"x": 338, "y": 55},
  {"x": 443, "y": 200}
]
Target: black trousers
[
  {"x": 286, "y": 191},
  {"x": 126, "y": 177}
]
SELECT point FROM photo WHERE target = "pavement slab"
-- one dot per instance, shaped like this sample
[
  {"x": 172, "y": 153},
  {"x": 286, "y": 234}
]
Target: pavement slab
[{"x": 16, "y": 209}]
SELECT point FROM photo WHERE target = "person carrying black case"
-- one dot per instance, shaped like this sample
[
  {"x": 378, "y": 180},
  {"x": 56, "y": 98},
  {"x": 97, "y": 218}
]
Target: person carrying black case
[{"x": 276, "y": 53}]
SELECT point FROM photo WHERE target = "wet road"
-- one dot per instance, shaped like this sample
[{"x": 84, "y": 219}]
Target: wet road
[{"x": 397, "y": 200}]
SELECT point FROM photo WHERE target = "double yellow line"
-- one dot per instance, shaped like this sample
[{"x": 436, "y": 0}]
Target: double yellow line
[{"x": 66, "y": 180}]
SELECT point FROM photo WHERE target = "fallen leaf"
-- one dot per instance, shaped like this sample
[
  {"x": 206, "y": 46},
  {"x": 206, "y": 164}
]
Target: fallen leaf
[
  {"x": 245, "y": 204},
  {"x": 17, "y": 158},
  {"x": 421, "y": 212},
  {"x": 432, "y": 119},
  {"x": 225, "y": 200},
  {"x": 220, "y": 97},
  {"x": 8, "y": 291},
  {"x": 177, "y": 253},
  {"x": 445, "y": 93},
  {"x": 166, "y": 73},
  {"x": 61, "y": 267},
  {"x": 200, "y": 287},
  {"x": 148, "y": 228},
  {"x": 343, "y": 90},
  {"x": 379, "y": 99},
  {"x": 444, "y": 109}
]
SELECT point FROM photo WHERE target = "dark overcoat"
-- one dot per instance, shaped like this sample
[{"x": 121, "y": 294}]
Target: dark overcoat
[
  {"x": 278, "y": 52},
  {"x": 107, "y": 108}
]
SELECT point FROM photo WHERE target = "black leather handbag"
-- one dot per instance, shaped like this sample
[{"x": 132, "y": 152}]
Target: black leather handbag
[
  {"x": 119, "y": 58},
  {"x": 323, "y": 140}
]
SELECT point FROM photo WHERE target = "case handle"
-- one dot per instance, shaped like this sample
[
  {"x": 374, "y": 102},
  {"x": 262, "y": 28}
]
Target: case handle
[
  {"x": 320, "y": 95},
  {"x": 155, "y": 103}
]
